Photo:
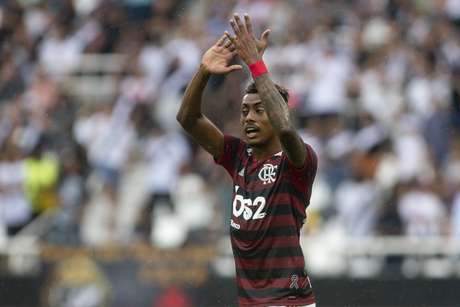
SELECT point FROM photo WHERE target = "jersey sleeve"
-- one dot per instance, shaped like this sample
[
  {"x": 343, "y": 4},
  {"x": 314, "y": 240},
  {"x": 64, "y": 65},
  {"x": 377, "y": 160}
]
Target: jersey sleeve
[
  {"x": 230, "y": 157},
  {"x": 305, "y": 175}
]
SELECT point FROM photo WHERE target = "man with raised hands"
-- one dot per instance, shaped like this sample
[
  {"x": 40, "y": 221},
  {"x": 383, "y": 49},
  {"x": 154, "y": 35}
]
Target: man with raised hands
[{"x": 272, "y": 171}]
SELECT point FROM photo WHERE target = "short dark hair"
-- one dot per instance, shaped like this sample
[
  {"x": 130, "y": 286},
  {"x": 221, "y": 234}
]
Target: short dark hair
[{"x": 252, "y": 89}]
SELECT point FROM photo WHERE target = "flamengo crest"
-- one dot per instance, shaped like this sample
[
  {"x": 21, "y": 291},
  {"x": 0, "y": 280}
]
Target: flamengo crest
[{"x": 268, "y": 173}]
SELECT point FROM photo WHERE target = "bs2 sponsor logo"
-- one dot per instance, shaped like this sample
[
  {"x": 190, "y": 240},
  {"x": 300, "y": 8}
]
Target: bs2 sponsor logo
[{"x": 250, "y": 209}]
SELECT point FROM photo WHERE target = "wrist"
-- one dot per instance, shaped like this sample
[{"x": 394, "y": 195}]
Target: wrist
[
  {"x": 203, "y": 69},
  {"x": 253, "y": 60},
  {"x": 258, "y": 68}
]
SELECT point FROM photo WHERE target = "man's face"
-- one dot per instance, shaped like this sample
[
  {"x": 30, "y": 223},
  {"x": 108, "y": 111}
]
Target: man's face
[{"x": 255, "y": 124}]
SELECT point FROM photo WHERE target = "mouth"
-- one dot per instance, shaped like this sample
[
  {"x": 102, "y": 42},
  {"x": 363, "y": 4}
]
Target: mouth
[{"x": 251, "y": 131}]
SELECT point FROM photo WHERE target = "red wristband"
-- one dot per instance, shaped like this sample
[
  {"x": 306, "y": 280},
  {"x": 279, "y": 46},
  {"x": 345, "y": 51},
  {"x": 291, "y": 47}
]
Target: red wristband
[{"x": 258, "y": 68}]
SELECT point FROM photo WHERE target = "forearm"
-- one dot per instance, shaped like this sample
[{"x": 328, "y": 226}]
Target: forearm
[
  {"x": 278, "y": 113},
  {"x": 190, "y": 109},
  {"x": 275, "y": 106}
]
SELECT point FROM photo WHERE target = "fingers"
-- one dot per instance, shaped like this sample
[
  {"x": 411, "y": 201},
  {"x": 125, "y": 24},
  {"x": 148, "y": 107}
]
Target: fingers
[
  {"x": 234, "y": 67},
  {"x": 236, "y": 30},
  {"x": 229, "y": 45},
  {"x": 230, "y": 38},
  {"x": 248, "y": 23},
  {"x": 221, "y": 40},
  {"x": 228, "y": 42},
  {"x": 239, "y": 23}
]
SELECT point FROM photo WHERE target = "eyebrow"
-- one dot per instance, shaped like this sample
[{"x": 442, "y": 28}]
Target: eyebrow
[{"x": 255, "y": 104}]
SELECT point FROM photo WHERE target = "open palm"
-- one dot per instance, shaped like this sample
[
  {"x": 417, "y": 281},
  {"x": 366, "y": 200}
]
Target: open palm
[{"x": 217, "y": 59}]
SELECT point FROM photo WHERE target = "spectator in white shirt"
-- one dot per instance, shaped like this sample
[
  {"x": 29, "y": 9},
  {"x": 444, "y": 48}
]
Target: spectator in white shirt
[
  {"x": 422, "y": 211},
  {"x": 108, "y": 137},
  {"x": 167, "y": 153},
  {"x": 15, "y": 209}
]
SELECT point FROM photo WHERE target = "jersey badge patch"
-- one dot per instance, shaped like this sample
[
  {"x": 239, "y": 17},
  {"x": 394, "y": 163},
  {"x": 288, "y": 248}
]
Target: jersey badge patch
[{"x": 268, "y": 173}]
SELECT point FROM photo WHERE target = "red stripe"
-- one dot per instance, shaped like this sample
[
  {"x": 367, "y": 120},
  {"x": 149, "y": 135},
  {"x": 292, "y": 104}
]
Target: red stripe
[
  {"x": 281, "y": 198},
  {"x": 279, "y": 221},
  {"x": 298, "y": 180},
  {"x": 284, "y": 282},
  {"x": 270, "y": 242},
  {"x": 268, "y": 263},
  {"x": 266, "y": 223},
  {"x": 286, "y": 198}
]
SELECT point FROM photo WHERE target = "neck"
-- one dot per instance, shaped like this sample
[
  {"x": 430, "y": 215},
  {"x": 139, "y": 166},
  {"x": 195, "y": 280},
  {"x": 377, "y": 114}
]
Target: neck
[{"x": 263, "y": 151}]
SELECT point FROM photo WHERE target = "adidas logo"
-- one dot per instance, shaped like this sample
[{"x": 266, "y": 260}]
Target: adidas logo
[{"x": 241, "y": 173}]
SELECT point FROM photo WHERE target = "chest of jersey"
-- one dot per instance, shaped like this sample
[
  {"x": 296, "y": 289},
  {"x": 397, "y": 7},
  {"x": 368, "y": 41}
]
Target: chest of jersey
[{"x": 254, "y": 187}]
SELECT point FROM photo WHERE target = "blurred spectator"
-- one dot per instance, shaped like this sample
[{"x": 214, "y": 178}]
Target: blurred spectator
[
  {"x": 59, "y": 53},
  {"x": 15, "y": 208},
  {"x": 423, "y": 213},
  {"x": 72, "y": 196},
  {"x": 194, "y": 205},
  {"x": 41, "y": 178},
  {"x": 455, "y": 95},
  {"x": 167, "y": 154},
  {"x": 11, "y": 81},
  {"x": 411, "y": 150},
  {"x": 108, "y": 136},
  {"x": 358, "y": 199},
  {"x": 331, "y": 69}
]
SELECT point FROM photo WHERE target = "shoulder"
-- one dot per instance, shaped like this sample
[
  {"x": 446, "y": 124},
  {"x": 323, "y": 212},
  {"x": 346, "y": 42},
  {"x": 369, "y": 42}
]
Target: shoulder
[
  {"x": 309, "y": 167},
  {"x": 234, "y": 144},
  {"x": 233, "y": 140},
  {"x": 233, "y": 149}
]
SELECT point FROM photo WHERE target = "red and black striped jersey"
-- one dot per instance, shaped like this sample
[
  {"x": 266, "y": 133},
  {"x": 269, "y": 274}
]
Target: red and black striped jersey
[{"x": 268, "y": 210}]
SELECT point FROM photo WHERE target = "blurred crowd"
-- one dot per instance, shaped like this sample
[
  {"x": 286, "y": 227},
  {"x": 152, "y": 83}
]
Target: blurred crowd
[{"x": 375, "y": 89}]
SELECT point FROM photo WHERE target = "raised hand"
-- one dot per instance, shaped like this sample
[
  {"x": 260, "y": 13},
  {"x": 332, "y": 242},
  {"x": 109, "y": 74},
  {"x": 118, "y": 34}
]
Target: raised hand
[
  {"x": 217, "y": 59},
  {"x": 262, "y": 42},
  {"x": 249, "y": 48}
]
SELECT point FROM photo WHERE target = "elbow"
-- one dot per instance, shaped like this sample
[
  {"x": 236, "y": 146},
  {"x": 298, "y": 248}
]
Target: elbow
[
  {"x": 183, "y": 121},
  {"x": 286, "y": 132},
  {"x": 179, "y": 117},
  {"x": 182, "y": 117},
  {"x": 187, "y": 122}
]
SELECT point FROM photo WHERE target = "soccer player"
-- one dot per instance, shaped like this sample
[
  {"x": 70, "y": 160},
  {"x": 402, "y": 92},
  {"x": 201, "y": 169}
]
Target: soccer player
[{"x": 272, "y": 171}]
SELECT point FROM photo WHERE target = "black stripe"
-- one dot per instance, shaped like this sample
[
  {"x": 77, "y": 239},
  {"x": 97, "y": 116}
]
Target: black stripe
[
  {"x": 271, "y": 252},
  {"x": 250, "y": 235},
  {"x": 285, "y": 209},
  {"x": 271, "y": 273},
  {"x": 289, "y": 188},
  {"x": 275, "y": 293},
  {"x": 280, "y": 209}
]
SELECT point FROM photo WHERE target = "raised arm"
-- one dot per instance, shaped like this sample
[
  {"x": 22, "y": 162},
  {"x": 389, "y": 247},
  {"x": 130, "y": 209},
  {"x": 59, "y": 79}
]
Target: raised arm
[
  {"x": 215, "y": 61},
  {"x": 276, "y": 108}
]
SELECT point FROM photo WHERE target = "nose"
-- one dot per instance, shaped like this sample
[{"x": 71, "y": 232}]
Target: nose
[{"x": 250, "y": 117}]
